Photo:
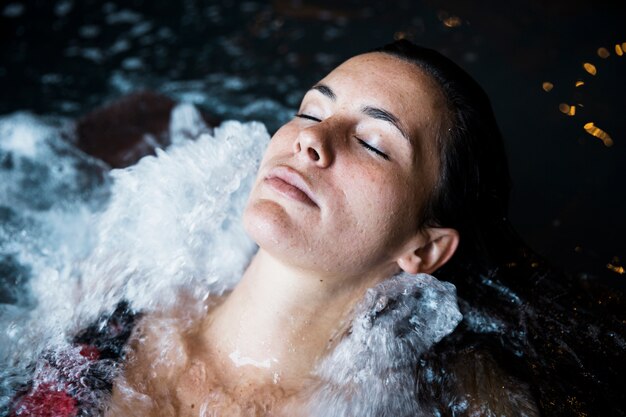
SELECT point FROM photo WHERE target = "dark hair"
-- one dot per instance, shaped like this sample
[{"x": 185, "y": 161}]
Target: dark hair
[
  {"x": 501, "y": 280},
  {"x": 472, "y": 191}
]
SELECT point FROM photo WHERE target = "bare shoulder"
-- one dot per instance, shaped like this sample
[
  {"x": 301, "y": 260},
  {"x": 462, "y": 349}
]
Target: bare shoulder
[
  {"x": 159, "y": 347},
  {"x": 156, "y": 355}
]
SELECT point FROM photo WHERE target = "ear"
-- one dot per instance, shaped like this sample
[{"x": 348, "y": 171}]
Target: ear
[{"x": 429, "y": 250}]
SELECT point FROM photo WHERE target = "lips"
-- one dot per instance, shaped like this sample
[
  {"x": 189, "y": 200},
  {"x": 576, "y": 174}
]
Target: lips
[{"x": 288, "y": 182}]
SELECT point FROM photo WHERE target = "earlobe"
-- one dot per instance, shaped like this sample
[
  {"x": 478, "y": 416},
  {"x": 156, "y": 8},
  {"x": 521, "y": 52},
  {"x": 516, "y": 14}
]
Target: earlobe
[
  {"x": 430, "y": 251},
  {"x": 410, "y": 263}
]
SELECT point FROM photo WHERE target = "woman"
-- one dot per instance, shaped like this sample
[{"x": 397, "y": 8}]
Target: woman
[
  {"x": 380, "y": 174},
  {"x": 392, "y": 166}
]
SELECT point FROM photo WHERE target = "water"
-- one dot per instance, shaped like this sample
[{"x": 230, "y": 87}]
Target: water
[
  {"x": 171, "y": 225},
  {"x": 170, "y": 222},
  {"x": 397, "y": 322},
  {"x": 250, "y": 58},
  {"x": 564, "y": 334}
]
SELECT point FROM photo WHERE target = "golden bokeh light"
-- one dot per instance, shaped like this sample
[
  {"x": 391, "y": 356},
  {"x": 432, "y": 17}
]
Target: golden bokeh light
[
  {"x": 590, "y": 68},
  {"x": 619, "y": 269},
  {"x": 571, "y": 109},
  {"x": 593, "y": 130},
  {"x": 452, "y": 21},
  {"x": 567, "y": 109}
]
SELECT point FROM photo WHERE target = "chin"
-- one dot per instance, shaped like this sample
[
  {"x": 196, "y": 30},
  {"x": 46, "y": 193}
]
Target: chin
[
  {"x": 279, "y": 234},
  {"x": 269, "y": 225}
]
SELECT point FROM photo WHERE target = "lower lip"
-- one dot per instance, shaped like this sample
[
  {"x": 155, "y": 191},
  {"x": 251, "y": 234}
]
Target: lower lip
[{"x": 289, "y": 190}]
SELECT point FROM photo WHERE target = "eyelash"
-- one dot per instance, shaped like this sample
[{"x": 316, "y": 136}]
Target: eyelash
[
  {"x": 372, "y": 149},
  {"x": 361, "y": 141},
  {"x": 306, "y": 116}
]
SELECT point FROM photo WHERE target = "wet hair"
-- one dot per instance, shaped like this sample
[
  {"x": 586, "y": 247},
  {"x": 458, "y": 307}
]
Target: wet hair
[
  {"x": 542, "y": 314},
  {"x": 472, "y": 191}
]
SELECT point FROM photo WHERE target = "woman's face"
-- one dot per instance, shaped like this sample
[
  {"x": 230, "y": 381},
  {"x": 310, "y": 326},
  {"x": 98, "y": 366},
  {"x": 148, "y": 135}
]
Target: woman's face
[{"x": 341, "y": 185}]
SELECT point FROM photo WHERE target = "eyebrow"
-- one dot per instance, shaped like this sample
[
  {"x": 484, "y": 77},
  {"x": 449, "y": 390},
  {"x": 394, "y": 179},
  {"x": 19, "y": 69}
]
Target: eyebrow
[
  {"x": 386, "y": 116},
  {"x": 326, "y": 90},
  {"x": 373, "y": 112}
]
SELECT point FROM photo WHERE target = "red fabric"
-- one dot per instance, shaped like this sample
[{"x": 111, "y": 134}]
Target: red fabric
[
  {"x": 76, "y": 371},
  {"x": 90, "y": 352},
  {"x": 45, "y": 401},
  {"x": 53, "y": 401}
]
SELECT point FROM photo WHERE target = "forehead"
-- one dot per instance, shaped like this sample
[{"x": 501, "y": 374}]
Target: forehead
[
  {"x": 395, "y": 85},
  {"x": 401, "y": 88}
]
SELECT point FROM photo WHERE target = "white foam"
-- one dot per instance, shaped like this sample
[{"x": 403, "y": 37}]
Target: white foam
[
  {"x": 22, "y": 134},
  {"x": 395, "y": 323},
  {"x": 171, "y": 222}
]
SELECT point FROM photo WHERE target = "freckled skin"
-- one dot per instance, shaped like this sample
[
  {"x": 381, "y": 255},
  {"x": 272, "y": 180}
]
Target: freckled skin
[
  {"x": 368, "y": 205},
  {"x": 169, "y": 373},
  {"x": 314, "y": 262}
]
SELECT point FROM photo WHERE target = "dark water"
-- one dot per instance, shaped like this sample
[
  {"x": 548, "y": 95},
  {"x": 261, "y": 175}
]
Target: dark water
[
  {"x": 254, "y": 60},
  {"x": 66, "y": 57}
]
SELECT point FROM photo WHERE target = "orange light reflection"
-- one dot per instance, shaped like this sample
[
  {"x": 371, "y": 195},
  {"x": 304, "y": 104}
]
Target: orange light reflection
[
  {"x": 590, "y": 68},
  {"x": 593, "y": 130},
  {"x": 452, "y": 21}
]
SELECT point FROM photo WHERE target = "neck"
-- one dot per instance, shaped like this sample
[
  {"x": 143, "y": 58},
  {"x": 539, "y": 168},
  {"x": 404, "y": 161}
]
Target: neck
[{"x": 279, "y": 320}]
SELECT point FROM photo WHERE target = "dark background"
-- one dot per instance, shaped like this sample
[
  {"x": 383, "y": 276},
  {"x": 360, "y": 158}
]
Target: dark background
[{"x": 65, "y": 58}]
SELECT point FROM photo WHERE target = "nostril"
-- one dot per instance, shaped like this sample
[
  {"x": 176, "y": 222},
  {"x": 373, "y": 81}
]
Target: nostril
[{"x": 313, "y": 154}]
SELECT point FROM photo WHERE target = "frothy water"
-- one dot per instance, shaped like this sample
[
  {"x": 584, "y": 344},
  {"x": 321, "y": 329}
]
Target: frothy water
[
  {"x": 49, "y": 191},
  {"x": 372, "y": 372},
  {"x": 164, "y": 235},
  {"x": 76, "y": 240},
  {"x": 567, "y": 332}
]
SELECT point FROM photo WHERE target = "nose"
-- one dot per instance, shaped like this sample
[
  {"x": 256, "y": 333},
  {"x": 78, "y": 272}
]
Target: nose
[{"x": 313, "y": 145}]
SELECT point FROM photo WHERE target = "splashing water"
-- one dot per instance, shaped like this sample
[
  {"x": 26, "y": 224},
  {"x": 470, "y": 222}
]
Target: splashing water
[
  {"x": 75, "y": 240},
  {"x": 168, "y": 225}
]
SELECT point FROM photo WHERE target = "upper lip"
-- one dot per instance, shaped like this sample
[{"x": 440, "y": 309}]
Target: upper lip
[{"x": 294, "y": 178}]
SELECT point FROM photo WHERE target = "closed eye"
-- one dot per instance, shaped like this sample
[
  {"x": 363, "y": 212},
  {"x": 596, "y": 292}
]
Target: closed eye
[
  {"x": 372, "y": 149},
  {"x": 306, "y": 116},
  {"x": 366, "y": 145}
]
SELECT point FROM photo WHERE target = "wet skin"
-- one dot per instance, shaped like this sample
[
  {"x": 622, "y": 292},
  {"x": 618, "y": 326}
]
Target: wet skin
[
  {"x": 334, "y": 210},
  {"x": 368, "y": 174}
]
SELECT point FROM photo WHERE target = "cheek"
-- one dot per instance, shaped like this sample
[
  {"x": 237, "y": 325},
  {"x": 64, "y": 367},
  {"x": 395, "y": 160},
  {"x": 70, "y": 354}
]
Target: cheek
[
  {"x": 379, "y": 201},
  {"x": 280, "y": 145},
  {"x": 284, "y": 136}
]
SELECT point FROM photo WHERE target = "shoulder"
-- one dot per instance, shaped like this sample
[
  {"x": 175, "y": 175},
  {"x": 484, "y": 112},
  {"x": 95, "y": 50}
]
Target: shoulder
[
  {"x": 157, "y": 354},
  {"x": 158, "y": 347}
]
